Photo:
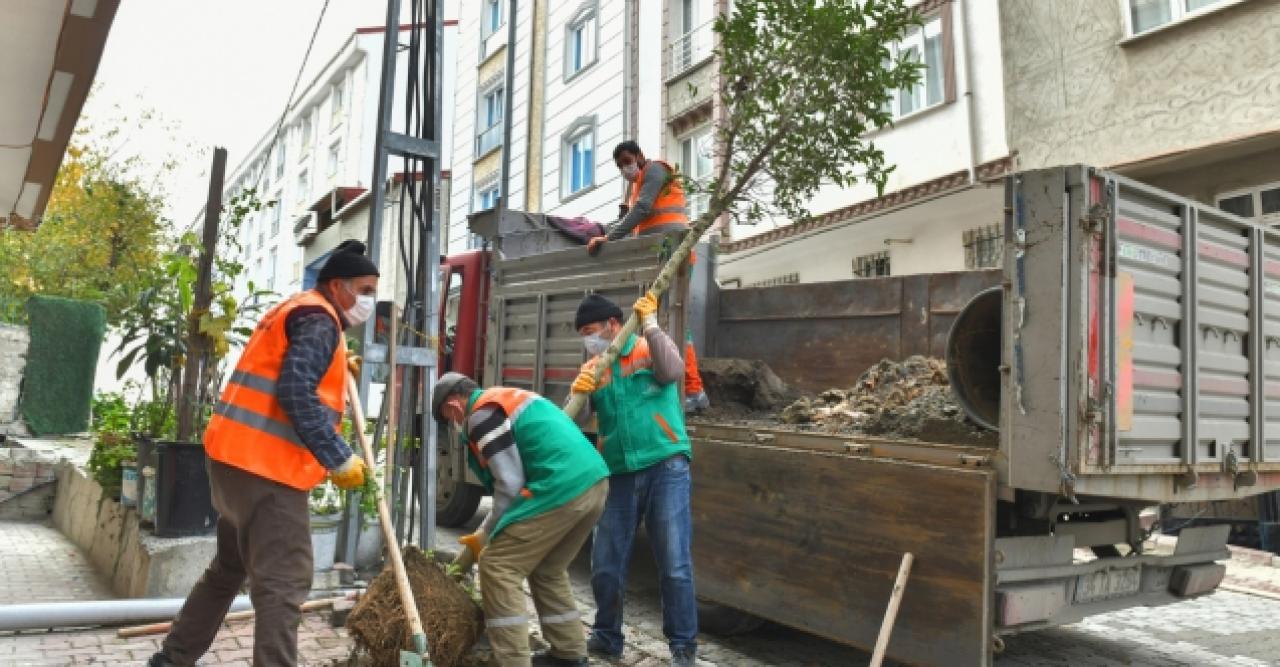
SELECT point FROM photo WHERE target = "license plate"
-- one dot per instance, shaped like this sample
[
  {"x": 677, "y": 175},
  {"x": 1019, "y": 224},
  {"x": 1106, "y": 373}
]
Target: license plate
[{"x": 1107, "y": 584}]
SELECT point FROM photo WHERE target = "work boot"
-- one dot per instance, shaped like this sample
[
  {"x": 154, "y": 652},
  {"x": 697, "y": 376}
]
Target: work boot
[
  {"x": 686, "y": 658},
  {"x": 695, "y": 403},
  {"x": 161, "y": 660},
  {"x": 600, "y": 648},
  {"x": 545, "y": 659}
]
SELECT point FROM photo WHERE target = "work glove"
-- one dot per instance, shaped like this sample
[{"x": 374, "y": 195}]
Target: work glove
[
  {"x": 353, "y": 364},
  {"x": 595, "y": 245},
  {"x": 585, "y": 383},
  {"x": 350, "y": 475},
  {"x": 474, "y": 543},
  {"x": 646, "y": 308}
]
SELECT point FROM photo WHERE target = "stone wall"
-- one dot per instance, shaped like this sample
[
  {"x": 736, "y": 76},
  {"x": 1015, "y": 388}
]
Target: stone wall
[
  {"x": 14, "y": 341},
  {"x": 26, "y": 484}
]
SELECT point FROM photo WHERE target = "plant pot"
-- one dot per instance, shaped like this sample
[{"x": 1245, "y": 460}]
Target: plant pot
[
  {"x": 147, "y": 500},
  {"x": 146, "y": 446},
  {"x": 324, "y": 539},
  {"x": 129, "y": 483},
  {"x": 369, "y": 548},
  {"x": 183, "y": 503}
]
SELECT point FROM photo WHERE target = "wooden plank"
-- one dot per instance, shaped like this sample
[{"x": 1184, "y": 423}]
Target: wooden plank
[{"x": 813, "y": 540}]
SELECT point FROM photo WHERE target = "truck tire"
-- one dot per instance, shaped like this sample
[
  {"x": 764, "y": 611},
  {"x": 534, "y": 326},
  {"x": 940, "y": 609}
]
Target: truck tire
[
  {"x": 456, "y": 501},
  {"x": 725, "y": 621}
]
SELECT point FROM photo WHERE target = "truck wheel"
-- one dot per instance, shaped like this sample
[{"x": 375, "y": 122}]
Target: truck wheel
[
  {"x": 726, "y": 621},
  {"x": 456, "y": 501}
]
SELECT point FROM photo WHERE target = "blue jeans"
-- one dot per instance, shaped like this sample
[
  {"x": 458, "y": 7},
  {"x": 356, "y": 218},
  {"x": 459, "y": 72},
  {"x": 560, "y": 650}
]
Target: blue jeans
[{"x": 659, "y": 496}]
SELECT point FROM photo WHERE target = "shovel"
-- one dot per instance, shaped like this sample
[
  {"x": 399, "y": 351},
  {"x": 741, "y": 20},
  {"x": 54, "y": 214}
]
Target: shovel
[{"x": 407, "y": 658}]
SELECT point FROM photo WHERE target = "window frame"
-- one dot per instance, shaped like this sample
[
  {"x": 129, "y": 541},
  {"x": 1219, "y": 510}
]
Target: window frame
[
  {"x": 280, "y": 161},
  {"x": 302, "y": 186},
  {"x": 700, "y": 202},
  {"x": 582, "y": 127},
  {"x": 337, "y": 101},
  {"x": 873, "y": 259},
  {"x": 481, "y": 187},
  {"x": 588, "y": 13},
  {"x": 1178, "y": 15},
  {"x": 482, "y": 108},
  {"x": 306, "y": 135},
  {"x": 1255, "y": 196},
  {"x": 978, "y": 243},
  {"x": 334, "y": 155},
  {"x": 946, "y": 28},
  {"x": 487, "y": 27}
]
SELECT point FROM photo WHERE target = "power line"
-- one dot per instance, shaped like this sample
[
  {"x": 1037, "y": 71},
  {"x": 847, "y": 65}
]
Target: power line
[{"x": 266, "y": 161}]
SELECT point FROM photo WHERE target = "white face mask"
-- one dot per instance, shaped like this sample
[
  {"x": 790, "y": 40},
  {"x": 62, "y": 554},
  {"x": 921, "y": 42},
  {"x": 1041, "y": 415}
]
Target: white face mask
[
  {"x": 631, "y": 172},
  {"x": 361, "y": 309},
  {"x": 595, "y": 343}
]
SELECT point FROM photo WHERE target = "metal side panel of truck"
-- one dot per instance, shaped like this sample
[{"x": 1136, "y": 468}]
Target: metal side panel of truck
[{"x": 1101, "y": 334}]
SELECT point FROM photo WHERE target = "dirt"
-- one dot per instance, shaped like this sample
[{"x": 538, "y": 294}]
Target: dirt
[
  {"x": 909, "y": 399},
  {"x": 451, "y": 618},
  {"x": 741, "y": 388}
]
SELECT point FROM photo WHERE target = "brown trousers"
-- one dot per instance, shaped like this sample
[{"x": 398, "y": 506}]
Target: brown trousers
[
  {"x": 540, "y": 550},
  {"x": 264, "y": 535}
]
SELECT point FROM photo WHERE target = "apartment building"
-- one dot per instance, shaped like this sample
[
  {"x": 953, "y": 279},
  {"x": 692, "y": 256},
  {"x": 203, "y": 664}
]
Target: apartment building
[
  {"x": 939, "y": 210},
  {"x": 316, "y": 167},
  {"x": 579, "y": 83},
  {"x": 1180, "y": 94}
]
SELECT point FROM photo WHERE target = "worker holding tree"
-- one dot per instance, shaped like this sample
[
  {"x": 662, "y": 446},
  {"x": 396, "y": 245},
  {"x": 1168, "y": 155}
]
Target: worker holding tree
[
  {"x": 549, "y": 487},
  {"x": 656, "y": 204},
  {"x": 642, "y": 435},
  {"x": 272, "y": 438}
]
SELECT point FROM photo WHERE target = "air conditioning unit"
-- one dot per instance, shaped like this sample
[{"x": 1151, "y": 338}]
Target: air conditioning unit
[{"x": 305, "y": 228}]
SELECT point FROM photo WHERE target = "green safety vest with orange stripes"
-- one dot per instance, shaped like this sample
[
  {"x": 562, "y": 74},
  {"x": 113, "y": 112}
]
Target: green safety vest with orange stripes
[
  {"x": 641, "y": 421},
  {"x": 559, "y": 462},
  {"x": 249, "y": 430},
  {"x": 669, "y": 208}
]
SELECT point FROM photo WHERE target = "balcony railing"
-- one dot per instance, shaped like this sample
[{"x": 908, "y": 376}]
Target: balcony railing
[
  {"x": 689, "y": 49},
  {"x": 489, "y": 139}
]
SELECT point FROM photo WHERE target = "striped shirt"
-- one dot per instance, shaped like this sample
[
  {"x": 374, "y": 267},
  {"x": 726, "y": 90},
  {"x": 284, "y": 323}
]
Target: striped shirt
[{"x": 491, "y": 430}]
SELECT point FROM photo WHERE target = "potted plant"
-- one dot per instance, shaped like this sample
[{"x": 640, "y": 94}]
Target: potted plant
[
  {"x": 326, "y": 513},
  {"x": 112, "y": 445}
]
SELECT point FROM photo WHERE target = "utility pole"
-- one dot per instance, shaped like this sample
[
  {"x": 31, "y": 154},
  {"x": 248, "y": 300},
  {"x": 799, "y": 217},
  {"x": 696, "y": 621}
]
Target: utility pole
[{"x": 197, "y": 356}]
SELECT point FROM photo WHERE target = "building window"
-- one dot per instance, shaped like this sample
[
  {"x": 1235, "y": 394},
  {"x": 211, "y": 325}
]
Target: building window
[
  {"x": 492, "y": 16},
  {"x": 279, "y": 162},
  {"x": 871, "y": 266},
  {"x": 787, "y": 279},
  {"x": 275, "y": 219},
  {"x": 580, "y": 42},
  {"x": 304, "y": 188},
  {"x": 487, "y": 196},
  {"x": 489, "y": 123},
  {"x": 696, "y": 165},
  {"x": 578, "y": 158},
  {"x": 1145, "y": 15},
  {"x": 921, "y": 45},
  {"x": 305, "y": 137},
  {"x": 335, "y": 152},
  {"x": 1259, "y": 203},
  {"x": 984, "y": 247},
  {"x": 338, "y": 103},
  {"x": 694, "y": 41},
  {"x": 271, "y": 270}
]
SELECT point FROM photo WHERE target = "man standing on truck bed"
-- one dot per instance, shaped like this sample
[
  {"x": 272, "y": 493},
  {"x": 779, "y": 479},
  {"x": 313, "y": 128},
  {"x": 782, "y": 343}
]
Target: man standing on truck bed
[
  {"x": 642, "y": 436},
  {"x": 656, "y": 204},
  {"x": 549, "y": 487},
  {"x": 273, "y": 437}
]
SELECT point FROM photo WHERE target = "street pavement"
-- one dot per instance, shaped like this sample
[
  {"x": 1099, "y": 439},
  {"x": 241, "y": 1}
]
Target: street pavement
[{"x": 1229, "y": 627}]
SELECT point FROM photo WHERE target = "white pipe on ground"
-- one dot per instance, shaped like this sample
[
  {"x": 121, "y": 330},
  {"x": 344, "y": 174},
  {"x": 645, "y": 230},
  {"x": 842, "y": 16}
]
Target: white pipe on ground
[{"x": 42, "y": 615}]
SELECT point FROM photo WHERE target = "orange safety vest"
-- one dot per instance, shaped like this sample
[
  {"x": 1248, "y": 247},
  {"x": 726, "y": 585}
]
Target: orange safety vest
[
  {"x": 512, "y": 401},
  {"x": 249, "y": 429},
  {"x": 670, "y": 207}
]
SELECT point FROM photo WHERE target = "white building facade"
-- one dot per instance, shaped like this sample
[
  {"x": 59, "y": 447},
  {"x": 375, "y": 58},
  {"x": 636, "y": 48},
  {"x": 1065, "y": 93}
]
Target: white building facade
[{"x": 577, "y": 90}]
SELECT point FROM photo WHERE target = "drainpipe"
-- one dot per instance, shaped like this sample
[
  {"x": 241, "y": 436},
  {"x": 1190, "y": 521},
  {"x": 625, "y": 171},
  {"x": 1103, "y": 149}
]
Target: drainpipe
[
  {"x": 507, "y": 104},
  {"x": 970, "y": 117},
  {"x": 102, "y": 612}
]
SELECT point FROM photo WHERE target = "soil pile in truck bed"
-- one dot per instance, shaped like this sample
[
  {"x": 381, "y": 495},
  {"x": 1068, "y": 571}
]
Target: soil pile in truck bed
[
  {"x": 742, "y": 388},
  {"x": 906, "y": 399}
]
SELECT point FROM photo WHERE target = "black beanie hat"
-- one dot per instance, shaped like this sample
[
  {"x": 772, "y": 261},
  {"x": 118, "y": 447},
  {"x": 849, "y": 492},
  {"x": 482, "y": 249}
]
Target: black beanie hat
[
  {"x": 595, "y": 308},
  {"x": 347, "y": 261}
]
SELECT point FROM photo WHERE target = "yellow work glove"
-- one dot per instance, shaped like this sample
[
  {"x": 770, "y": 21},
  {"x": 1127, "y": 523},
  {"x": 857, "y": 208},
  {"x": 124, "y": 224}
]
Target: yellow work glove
[
  {"x": 646, "y": 308},
  {"x": 353, "y": 364},
  {"x": 585, "y": 383},
  {"x": 475, "y": 542},
  {"x": 350, "y": 475}
]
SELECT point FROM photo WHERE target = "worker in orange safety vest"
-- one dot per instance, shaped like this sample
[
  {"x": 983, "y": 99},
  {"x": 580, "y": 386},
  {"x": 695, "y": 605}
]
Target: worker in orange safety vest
[{"x": 273, "y": 436}]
